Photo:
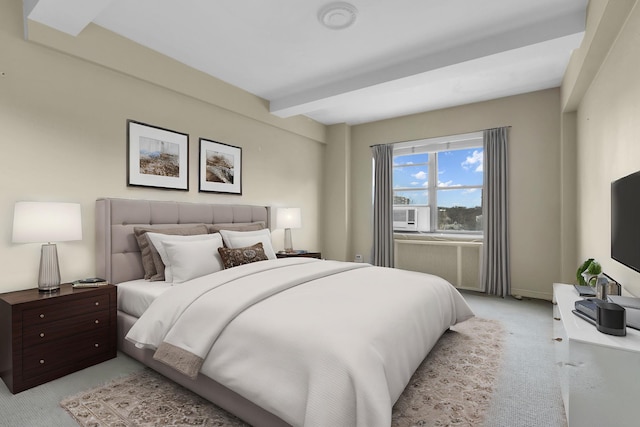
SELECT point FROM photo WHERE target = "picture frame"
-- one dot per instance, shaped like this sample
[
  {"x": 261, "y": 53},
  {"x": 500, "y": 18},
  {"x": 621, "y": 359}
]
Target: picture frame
[
  {"x": 157, "y": 157},
  {"x": 220, "y": 167}
]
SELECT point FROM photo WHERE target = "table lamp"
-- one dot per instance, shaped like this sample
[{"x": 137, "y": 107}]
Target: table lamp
[
  {"x": 288, "y": 218},
  {"x": 38, "y": 222}
]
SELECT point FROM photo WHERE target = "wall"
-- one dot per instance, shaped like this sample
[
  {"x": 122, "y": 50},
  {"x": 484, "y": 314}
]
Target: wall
[
  {"x": 534, "y": 175},
  {"x": 608, "y": 131},
  {"x": 64, "y": 103},
  {"x": 63, "y": 137},
  {"x": 336, "y": 201}
]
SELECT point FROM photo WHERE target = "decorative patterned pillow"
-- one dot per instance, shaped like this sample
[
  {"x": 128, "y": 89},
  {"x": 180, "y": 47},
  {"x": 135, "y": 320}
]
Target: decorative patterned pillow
[
  {"x": 243, "y": 239},
  {"x": 233, "y": 257}
]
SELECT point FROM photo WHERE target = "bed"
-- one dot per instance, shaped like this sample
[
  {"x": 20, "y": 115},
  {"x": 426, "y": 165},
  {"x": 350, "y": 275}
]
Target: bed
[{"x": 280, "y": 342}]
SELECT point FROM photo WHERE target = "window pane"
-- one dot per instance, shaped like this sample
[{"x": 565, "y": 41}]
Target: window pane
[
  {"x": 411, "y": 159},
  {"x": 410, "y": 177},
  {"x": 411, "y": 197},
  {"x": 460, "y": 167},
  {"x": 460, "y": 210}
]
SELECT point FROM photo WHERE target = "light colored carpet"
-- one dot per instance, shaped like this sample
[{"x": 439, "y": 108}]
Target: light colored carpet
[
  {"x": 453, "y": 386},
  {"x": 526, "y": 393}
]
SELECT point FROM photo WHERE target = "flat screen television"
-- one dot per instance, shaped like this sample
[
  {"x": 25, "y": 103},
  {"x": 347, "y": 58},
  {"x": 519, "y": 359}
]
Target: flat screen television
[{"x": 625, "y": 220}]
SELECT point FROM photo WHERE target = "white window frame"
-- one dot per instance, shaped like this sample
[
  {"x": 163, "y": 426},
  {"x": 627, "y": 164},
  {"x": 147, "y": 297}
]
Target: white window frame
[{"x": 433, "y": 146}]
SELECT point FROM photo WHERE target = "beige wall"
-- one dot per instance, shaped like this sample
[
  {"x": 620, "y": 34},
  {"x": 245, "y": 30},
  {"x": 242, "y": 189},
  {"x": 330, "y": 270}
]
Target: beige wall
[
  {"x": 608, "y": 130},
  {"x": 534, "y": 157},
  {"x": 64, "y": 102},
  {"x": 63, "y": 138},
  {"x": 337, "y": 198}
]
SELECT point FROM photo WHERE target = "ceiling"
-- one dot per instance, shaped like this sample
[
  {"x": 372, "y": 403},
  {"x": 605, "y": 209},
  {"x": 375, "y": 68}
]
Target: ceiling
[{"x": 399, "y": 57}]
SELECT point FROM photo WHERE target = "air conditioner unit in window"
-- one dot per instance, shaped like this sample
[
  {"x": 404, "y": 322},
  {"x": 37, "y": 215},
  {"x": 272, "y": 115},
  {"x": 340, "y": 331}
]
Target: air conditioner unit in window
[{"x": 411, "y": 218}]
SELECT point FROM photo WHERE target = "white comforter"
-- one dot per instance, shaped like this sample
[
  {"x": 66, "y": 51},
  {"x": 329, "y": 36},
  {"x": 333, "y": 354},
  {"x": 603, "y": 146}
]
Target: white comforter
[{"x": 317, "y": 343}]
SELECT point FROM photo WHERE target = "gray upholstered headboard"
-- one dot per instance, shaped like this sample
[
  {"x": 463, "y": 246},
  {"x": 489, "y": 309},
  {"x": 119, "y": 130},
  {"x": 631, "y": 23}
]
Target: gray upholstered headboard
[{"x": 117, "y": 253}]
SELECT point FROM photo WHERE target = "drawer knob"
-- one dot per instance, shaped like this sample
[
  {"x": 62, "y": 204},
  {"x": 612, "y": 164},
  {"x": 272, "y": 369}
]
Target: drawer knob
[
  {"x": 42, "y": 361},
  {"x": 96, "y": 345},
  {"x": 97, "y": 303},
  {"x": 42, "y": 316},
  {"x": 41, "y": 334},
  {"x": 97, "y": 321}
]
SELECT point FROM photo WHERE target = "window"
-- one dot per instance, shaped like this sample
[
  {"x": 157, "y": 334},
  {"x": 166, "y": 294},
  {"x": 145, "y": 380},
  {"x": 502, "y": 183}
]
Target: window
[{"x": 444, "y": 176}]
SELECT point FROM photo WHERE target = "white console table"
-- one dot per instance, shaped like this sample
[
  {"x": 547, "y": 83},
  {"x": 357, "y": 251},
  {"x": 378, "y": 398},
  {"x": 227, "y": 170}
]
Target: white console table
[{"x": 599, "y": 373}]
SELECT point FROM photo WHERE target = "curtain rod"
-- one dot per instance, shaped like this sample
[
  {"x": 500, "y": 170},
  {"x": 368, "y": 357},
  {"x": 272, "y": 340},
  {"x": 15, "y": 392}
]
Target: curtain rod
[{"x": 443, "y": 136}]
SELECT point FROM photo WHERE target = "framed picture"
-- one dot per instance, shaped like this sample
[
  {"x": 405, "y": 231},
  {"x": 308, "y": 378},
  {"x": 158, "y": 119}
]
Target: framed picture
[
  {"x": 157, "y": 157},
  {"x": 220, "y": 167}
]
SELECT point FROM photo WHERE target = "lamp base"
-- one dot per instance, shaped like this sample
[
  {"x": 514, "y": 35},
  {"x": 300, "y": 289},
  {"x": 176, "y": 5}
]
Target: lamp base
[
  {"x": 288, "y": 245},
  {"x": 49, "y": 277}
]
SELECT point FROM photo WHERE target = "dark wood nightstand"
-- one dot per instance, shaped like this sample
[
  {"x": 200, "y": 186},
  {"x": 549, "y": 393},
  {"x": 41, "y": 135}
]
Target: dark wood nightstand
[
  {"x": 299, "y": 254},
  {"x": 44, "y": 336}
]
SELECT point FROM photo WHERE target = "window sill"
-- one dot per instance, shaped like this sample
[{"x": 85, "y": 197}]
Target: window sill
[{"x": 443, "y": 237}]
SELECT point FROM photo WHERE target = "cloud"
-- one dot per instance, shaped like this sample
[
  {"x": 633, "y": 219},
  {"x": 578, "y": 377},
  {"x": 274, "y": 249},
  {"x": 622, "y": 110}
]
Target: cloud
[
  {"x": 447, "y": 184},
  {"x": 474, "y": 162},
  {"x": 420, "y": 175}
]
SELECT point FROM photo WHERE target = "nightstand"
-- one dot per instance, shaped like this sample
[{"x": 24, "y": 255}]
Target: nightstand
[
  {"x": 299, "y": 254},
  {"x": 44, "y": 336}
]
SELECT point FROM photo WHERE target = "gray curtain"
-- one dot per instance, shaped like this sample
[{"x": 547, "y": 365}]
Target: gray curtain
[
  {"x": 496, "y": 277},
  {"x": 383, "y": 205}
]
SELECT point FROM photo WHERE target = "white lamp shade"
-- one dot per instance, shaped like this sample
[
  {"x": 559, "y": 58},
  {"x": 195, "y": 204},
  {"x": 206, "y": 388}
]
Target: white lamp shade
[
  {"x": 38, "y": 222},
  {"x": 288, "y": 218}
]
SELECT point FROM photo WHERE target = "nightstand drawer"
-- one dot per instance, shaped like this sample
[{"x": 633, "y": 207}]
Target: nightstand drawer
[
  {"x": 42, "y": 359},
  {"x": 43, "y": 333},
  {"x": 53, "y": 312}
]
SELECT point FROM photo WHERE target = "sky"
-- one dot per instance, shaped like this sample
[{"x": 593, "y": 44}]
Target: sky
[{"x": 456, "y": 168}]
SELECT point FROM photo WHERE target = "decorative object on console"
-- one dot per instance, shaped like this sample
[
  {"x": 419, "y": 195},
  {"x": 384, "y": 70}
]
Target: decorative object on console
[
  {"x": 157, "y": 157},
  {"x": 220, "y": 167},
  {"x": 588, "y": 272},
  {"x": 288, "y": 218},
  {"x": 606, "y": 286},
  {"x": 39, "y": 222},
  {"x": 581, "y": 268}
]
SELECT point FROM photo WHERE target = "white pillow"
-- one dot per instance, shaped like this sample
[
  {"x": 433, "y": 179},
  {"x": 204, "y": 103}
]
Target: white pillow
[
  {"x": 193, "y": 259},
  {"x": 242, "y": 239},
  {"x": 157, "y": 240}
]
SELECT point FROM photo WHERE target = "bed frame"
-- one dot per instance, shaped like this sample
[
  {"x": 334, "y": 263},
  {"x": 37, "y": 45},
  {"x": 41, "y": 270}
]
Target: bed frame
[{"x": 118, "y": 260}]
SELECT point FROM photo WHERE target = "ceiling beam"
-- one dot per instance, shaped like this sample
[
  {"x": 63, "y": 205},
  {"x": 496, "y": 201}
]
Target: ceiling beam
[
  {"x": 323, "y": 96},
  {"x": 68, "y": 16}
]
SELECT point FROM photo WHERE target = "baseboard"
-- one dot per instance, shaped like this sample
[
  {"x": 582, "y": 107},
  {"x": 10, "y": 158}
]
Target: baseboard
[{"x": 527, "y": 293}]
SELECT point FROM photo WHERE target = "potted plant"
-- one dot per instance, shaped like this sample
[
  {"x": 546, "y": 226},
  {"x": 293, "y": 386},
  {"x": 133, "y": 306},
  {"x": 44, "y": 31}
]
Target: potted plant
[{"x": 588, "y": 272}]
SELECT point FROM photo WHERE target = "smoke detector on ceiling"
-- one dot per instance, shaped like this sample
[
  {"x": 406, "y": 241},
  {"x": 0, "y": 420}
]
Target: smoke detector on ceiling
[{"x": 338, "y": 16}]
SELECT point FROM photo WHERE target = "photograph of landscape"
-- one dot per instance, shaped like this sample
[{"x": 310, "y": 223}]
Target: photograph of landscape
[
  {"x": 160, "y": 158},
  {"x": 219, "y": 167}
]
